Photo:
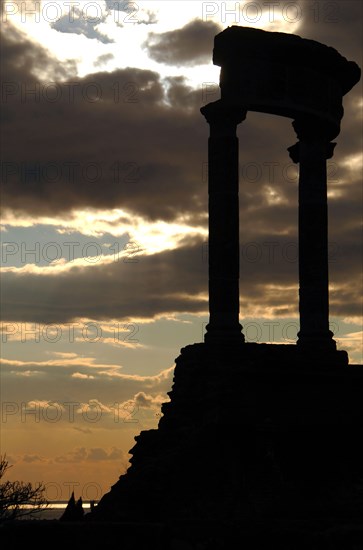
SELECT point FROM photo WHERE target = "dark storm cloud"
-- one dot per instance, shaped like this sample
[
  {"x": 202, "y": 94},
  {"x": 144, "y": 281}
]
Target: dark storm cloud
[
  {"x": 173, "y": 281},
  {"x": 150, "y": 158},
  {"x": 104, "y": 141},
  {"x": 334, "y": 24},
  {"x": 154, "y": 285},
  {"x": 20, "y": 58},
  {"x": 117, "y": 122},
  {"x": 190, "y": 45}
]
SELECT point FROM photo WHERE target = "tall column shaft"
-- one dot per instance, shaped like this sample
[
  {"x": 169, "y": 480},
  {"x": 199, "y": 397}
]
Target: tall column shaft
[
  {"x": 223, "y": 247},
  {"x": 223, "y": 231},
  {"x": 311, "y": 152}
]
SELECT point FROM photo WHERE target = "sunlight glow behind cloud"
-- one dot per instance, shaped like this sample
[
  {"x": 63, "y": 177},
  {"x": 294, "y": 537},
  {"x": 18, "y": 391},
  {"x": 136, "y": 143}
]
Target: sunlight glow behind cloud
[
  {"x": 127, "y": 33},
  {"x": 147, "y": 237}
]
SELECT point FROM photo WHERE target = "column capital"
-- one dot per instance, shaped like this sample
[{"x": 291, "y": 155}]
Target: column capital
[
  {"x": 294, "y": 151},
  {"x": 223, "y": 118},
  {"x": 313, "y": 129},
  {"x": 313, "y": 133}
]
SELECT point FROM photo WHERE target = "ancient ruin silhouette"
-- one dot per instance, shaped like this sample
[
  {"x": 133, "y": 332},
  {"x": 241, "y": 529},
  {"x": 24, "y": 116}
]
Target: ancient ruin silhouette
[
  {"x": 259, "y": 430},
  {"x": 285, "y": 75}
]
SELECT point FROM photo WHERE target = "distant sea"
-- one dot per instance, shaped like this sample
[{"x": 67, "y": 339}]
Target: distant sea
[{"x": 55, "y": 510}]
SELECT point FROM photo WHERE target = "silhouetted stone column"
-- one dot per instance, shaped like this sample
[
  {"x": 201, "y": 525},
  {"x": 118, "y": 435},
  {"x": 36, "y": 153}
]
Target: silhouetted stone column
[
  {"x": 312, "y": 151},
  {"x": 224, "y": 323}
]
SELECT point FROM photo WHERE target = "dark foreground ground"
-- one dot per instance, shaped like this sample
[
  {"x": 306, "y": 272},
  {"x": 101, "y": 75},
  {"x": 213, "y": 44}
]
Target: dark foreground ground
[
  {"x": 287, "y": 474},
  {"x": 179, "y": 535}
]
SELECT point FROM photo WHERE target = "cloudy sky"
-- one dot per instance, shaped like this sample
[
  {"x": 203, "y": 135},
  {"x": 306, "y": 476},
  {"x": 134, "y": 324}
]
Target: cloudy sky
[{"x": 104, "y": 217}]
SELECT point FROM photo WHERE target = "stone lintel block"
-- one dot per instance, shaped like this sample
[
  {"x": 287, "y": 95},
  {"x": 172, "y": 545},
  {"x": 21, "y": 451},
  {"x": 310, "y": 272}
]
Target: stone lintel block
[{"x": 283, "y": 74}]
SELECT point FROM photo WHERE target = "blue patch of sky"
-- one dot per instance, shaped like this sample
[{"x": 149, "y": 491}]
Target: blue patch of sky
[
  {"x": 78, "y": 23},
  {"x": 118, "y": 5},
  {"x": 43, "y": 244}
]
